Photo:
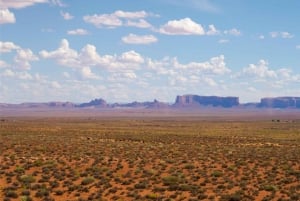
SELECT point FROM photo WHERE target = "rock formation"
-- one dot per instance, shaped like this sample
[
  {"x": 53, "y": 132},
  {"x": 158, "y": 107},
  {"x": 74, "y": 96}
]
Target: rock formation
[
  {"x": 94, "y": 103},
  {"x": 215, "y": 101},
  {"x": 280, "y": 102}
]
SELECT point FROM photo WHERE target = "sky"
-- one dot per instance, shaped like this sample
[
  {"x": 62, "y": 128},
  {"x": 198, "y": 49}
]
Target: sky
[{"x": 140, "y": 50}]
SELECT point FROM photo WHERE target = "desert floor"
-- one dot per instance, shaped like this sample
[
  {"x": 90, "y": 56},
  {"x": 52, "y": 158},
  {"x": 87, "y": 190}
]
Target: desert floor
[{"x": 150, "y": 157}]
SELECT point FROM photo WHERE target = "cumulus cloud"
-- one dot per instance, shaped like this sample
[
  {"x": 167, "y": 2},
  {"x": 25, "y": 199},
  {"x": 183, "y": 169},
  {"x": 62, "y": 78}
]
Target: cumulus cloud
[
  {"x": 130, "y": 15},
  {"x": 104, "y": 20},
  {"x": 131, "y": 57},
  {"x": 23, "y": 59},
  {"x": 212, "y": 30},
  {"x": 19, "y": 3},
  {"x": 8, "y": 73},
  {"x": 6, "y": 47},
  {"x": 87, "y": 73},
  {"x": 7, "y": 17},
  {"x": 3, "y": 64},
  {"x": 119, "y": 18},
  {"x": 209, "y": 81},
  {"x": 88, "y": 56},
  {"x": 139, "y": 39},
  {"x": 233, "y": 32},
  {"x": 184, "y": 26},
  {"x": 141, "y": 23},
  {"x": 216, "y": 65},
  {"x": 66, "y": 15},
  {"x": 283, "y": 34},
  {"x": 78, "y": 32},
  {"x": 260, "y": 70},
  {"x": 64, "y": 55}
]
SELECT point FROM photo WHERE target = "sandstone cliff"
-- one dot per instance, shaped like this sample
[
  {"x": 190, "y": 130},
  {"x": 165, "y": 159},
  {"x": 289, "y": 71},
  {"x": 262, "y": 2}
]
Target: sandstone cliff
[
  {"x": 280, "y": 102},
  {"x": 215, "y": 101}
]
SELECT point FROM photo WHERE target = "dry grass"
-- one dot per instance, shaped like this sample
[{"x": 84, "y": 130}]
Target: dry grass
[{"x": 149, "y": 159}]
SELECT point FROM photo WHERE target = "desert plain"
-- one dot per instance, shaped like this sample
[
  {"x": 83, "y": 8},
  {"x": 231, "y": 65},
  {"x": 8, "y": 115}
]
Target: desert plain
[{"x": 150, "y": 155}]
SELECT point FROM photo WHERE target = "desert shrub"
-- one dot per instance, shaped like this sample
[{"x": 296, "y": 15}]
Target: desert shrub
[
  {"x": 26, "y": 198},
  {"x": 27, "y": 179},
  {"x": 231, "y": 197},
  {"x": 141, "y": 185},
  {"x": 269, "y": 188},
  {"x": 25, "y": 192},
  {"x": 59, "y": 192},
  {"x": 19, "y": 170},
  {"x": 152, "y": 196},
  {"x": 11, "y": 194},
  {"x": 169, "y": 180},
  {"x": 189, "y": 166},
  {"x": 216, "y": 173},
  {"x": 42, "y": 193},
  {"x": 87, "y": 180}
]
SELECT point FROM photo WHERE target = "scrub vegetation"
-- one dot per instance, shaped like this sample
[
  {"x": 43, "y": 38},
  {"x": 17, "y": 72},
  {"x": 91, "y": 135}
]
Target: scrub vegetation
[{"x": 174, "y": 158}]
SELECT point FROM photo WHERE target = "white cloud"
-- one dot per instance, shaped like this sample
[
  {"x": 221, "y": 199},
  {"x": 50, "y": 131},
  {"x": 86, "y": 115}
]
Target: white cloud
[
  {"x": 58, "y": 3},
  {"x": 184, "y": 26},
  {"x": 119, "y": 18},
  {"x": 252, "y": 89},
  {"x": 8, "y": 73},
  {"x": 87, "y": 73},
  {"x": 78, "y": 32},
  {"x": 260, "y": 70},
  {"x": 261, "y": 37},
  {"x": 132, "y": 57},
  {"x": 215, "y": 65},
  {"x": 89, "y": 56},
  {"x": 55, "y": 84},
  {"x": 210, "y": 82},
  {"x": 3, "y": 64},
  {"x": 283, "y": 34},
  {"x": 233, "y": 32},
  {"x": 141, "y": 23},
  {"x": 64, "y": 55},
  {"x": 6, "y": 47},
  {"x": 298, "y": 47},
  {"x": 19, "y": 3},
  {"x": 104, "y": 20},
  {"x": 136, "y": 39},
  {"x": 66, "y": 15},
  {"x": 212, "y": 30},
  {"x": 130, "y": 15},
  {"x": 7, "y": 17},
  {"x": 23, "y": 57}
]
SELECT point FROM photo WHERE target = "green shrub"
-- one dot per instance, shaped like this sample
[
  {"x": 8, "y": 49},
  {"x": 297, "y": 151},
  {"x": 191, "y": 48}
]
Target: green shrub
[{"x": 87, "y": 180}]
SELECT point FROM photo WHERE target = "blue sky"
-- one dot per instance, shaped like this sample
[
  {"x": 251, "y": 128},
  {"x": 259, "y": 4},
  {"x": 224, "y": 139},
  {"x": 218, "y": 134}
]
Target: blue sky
[{"x": 75, "y": 50}]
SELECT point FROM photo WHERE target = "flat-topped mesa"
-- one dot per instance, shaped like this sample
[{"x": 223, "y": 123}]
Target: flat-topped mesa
[
  {"x": 280, "y": 102},
  {"x": 215, "y": 101}
]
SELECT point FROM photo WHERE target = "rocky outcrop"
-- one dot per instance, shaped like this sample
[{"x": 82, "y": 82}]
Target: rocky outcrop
[
  {"x": 280, "y": 102},
  {"x": 95, "y": 103},
  {"x": 215, "y": 101},
  {"x": 148, "y": 104}
]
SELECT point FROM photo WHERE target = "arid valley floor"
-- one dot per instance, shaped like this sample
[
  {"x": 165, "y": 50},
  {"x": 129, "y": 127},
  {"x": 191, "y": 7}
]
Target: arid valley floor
[{"x": 150, "y": 157}]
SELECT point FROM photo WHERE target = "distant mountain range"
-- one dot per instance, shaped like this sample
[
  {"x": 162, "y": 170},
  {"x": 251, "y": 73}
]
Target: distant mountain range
[{"x": 184, "y": 101}]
